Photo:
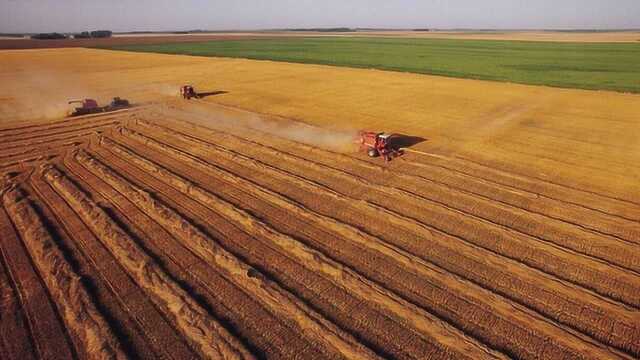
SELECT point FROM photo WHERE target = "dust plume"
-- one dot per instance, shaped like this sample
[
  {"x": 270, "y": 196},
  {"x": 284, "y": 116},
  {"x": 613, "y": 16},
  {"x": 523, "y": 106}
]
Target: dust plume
[
  {"x": 43, "y": 95},
  {"x": 212, "y": 116}
]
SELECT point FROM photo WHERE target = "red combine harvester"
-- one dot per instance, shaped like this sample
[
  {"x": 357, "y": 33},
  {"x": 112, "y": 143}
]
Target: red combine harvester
[
  {"x": 187, "y": 92},
  {"x": 90, "y": 106},
  {"x": 377, "y": 144}
]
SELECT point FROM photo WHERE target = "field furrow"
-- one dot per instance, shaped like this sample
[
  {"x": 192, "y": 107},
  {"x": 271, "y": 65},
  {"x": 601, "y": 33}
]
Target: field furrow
[
  {"x": 486, "y": 214},
  {"x": 276, "y": 299},
  {"x": 76, "y": 306},
  {"x": 48, "y": 147},
  {"x": 45, "y": 324},
  {"x": 16, "y": 340},
  {"x": 13, "y": 142},
  {"x": 610, "y": 204},
  {"x": 561, "y": 214},
  {"x": 211, "y": 338},
  {"x": 246, "y": 223},
  {"x": 455, "y": 300},
  {"x": 536, "y": 301},
  {"x": 149, "y": 335},
  {"x": 332, "y": 301},
  {"x": 317, "y": 262},
  {"x": 69, "y": 125}
]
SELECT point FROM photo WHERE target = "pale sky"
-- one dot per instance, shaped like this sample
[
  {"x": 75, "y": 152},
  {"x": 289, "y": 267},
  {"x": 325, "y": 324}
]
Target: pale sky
[{"x": 127, "y": 15}]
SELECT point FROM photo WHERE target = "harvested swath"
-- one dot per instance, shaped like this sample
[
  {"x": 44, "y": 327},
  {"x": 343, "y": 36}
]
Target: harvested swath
[
  {"x": 387, "y": 335},
  {"x": 609, "y": 205},
  {"x": 17, "y": 141},
  {"x": 451, "y": 173},
  {"x": 73, "y": 300},
  {"x": 551, "y": 299},
  {"x": 45, "y": 325},
  {"x": 487, "y": 224},
  {"x": 70, "y": 125},
  {"x": 15, "y": 337},
  {"x": 455, "y": 342},
  {"x": 285, "y": 304},
  {"x": 463, "y": 298},
  {"x": 265, "y": 332},
  {"x": 546, "y": 219},
  {"x": 212, "y": 339},
  {"x": 144, "y": 331}
]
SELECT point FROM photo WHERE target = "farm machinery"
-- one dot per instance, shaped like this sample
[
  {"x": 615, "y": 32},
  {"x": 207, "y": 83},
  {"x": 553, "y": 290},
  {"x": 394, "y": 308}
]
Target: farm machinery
[
  {"x": 187, "y": 92},
  {"x": 90, "y": 106},
  {"x": 377, "y": 144}
]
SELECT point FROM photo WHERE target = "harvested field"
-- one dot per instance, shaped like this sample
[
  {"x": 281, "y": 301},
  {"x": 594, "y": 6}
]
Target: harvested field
[{"x": 193, "y": 229}]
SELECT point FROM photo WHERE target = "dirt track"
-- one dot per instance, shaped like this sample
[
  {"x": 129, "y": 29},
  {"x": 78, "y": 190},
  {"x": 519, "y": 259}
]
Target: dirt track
[{"x": 279, "y": 249}]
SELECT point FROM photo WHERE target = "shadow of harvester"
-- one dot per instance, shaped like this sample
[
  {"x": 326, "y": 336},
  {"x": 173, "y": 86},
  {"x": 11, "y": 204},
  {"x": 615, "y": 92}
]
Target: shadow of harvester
[
  {"x": 400, "y": 141},
  {"x": 202, "y": 95}
]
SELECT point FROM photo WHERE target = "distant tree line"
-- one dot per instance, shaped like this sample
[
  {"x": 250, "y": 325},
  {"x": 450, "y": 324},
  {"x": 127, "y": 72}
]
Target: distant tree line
[
  {"x": 49, "y": 36},
  {"x": 82, "y": 35},
  {"x": 338, "y": 29}
]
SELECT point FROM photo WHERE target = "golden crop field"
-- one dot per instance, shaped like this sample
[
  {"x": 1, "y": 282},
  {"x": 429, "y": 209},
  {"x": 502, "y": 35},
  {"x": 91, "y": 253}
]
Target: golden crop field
[{"x": 246, "y": 224}]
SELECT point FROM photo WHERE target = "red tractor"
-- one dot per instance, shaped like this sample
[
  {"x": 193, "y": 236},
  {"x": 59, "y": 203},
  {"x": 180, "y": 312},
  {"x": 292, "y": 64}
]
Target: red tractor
[
  {"x": 377, "y": 144},
  {"x": 187, "y": 92}
]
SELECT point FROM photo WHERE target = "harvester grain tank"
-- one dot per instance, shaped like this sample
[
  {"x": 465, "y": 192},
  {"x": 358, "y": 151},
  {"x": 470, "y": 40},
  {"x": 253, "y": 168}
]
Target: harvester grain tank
[{"x": 87, "y": 106}]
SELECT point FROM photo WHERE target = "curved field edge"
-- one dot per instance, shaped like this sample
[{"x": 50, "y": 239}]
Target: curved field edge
[{"x": 605, "y": 66}]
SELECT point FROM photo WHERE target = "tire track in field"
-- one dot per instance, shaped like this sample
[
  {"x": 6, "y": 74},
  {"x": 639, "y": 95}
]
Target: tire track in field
[
  {"x": 524, "y": 293},
  {"x": 73, "y": 300},
  {"x": 317, "y": 262},
  {"x": 212, "y": 339},
  {"x": 421, "y": 269},
  {"x": 152, "y": 232}
]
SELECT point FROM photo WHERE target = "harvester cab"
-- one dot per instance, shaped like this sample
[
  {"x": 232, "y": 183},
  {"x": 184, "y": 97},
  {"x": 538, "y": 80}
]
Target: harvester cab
[
  {"x": 88, "y": 106},
  {"x": 376, "y": 144},
  {"x": 187, "y": 92}
]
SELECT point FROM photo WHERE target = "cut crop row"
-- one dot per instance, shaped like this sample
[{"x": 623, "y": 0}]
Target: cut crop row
[
  {"x": 438, "y": 251},
  {"x": 455, "y": 299}
]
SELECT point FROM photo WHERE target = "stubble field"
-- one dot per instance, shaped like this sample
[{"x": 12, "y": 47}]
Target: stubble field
[{"x": 243, "y": 224}]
